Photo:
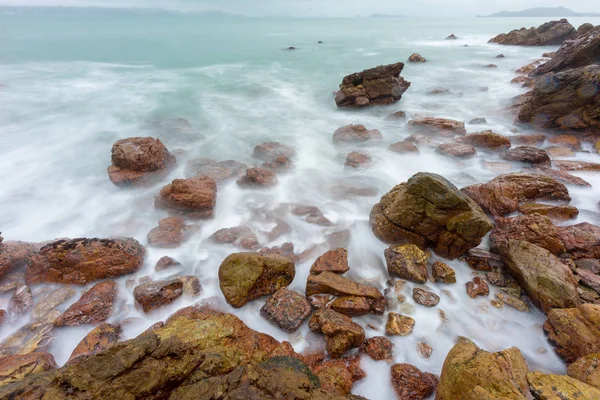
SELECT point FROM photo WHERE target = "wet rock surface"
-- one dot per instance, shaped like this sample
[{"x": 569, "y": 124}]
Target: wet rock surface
[
  {"x": 487, "y": 139},
  {"x": 425, "y": 298},
  {"x": 442, "y": 126},
  {"x": 399, "y": 325},
  {"x": 99, "y": 339},
  {"x": 455, "y": 149},
  {"x": 93, "y": 307},
  {"x": 258, "y": 178},
  {"x": 341, "y": 334},
  {"x": 357, "y": 160},
  {"x": 194, "y": 197},
  {"x": 14, "y": 255},
  {"x": 528, "y": 154},
  {"x": 416, "y": 57},
  {"x": 241, "y": 236},
  {"x": 286, "y": 309},
  {"x": 355, "y": 134},
  {"x": 153, "y": 295},
  {"x": 407, "y": 262},
  {"x": 443, "y": 273},
  {"x": 168, "y": 233},
  {"x": 17, "y": 367},
  {"x": 549, "y": 386},
  {"x": 410, "y": 383},
  {"x": 574, "y": 332}
]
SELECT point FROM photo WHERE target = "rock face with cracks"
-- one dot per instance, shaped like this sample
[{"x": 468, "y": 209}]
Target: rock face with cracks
[{"x": 548, "y": 34}]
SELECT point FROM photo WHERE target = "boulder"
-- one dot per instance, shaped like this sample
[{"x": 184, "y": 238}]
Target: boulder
[
  {"x": 16, "y": 367},
  {"x": 586, "y": 369},
  {"x": 194, "y": 197},
  {"x": 333, "y": 260},
  {"x": 442, "y": 126},
  {"x": 14, "y": 255},
  {"x": 286, "y": 309},
  {"x": 575, "y": 332},
  {"x": 244, "y": 277},
  {"x": 549, "y": 386},
  {"x": 139, "y": 161},
  {"x": 376, "y": 86},
  {"x": 429, "y": 210},
  {"x": 404, "y": 147},
  {"x": 379, "y": 348},
  {"x": 528, "y": 154},
  {"x": 503, "y": 194},
  {"x": 551, "y": 211},
  {"x": 580, "y": 52},
  {"x": 581, "y": 240},
  {"x": 477, "y": 287},
  {"x": 425, "y": 298},
  {"x": 487, "y": 139},
  {"x": 241, "y": 236},
  {"x": 471, "y": 373},
  {"x": 341, "y": 334},
  {"x": 410, "y": 383},
  {"x": 355, "y": 134},
  {"x": 407, "y": 262},
  {"x": 168, "y": 233},
  {"x": 416, "y": 57},
  {"x": 219, "y": 171},
  {"x": 79, "y": 261},
  {"x": 570, "y": 141},
  {"x": 257, "y": 178},
  {"x": 534, "y": 228},
  {"x": 548, "y": 282},
  {"x": 441, "y": 272},
  {"x": 548, "y": 34},
  {"x": 156, "y": 294},
  {"x": 99, "y": 339},
  {"x": 399, "y": 325},
  {"x": 357, "y": 160},
  {"x": 95, "y": 306},
  {"x": 545, "y": 103},
  {"x": 456, "y": 149},
  {"x": 270, "y": 151}
]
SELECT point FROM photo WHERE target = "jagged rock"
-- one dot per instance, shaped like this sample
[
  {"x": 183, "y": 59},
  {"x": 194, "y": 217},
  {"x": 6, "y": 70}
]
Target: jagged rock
[
  {"x": 548, "y": 282},
  {"x": 270, "y": 151},
  {"x": 286, "y": 309},
  {"x": 191, "y": 285},
  {"x": 357, "y": 160},
  {"x": 404, "y": 147},
  {"x": 219, "y": 171},
  {"x": 551, "y": 211},
  {"x": 241, "y": 236},
  {"x": 340, "y": 374},
  {"x": 16, "y": 367},
  {"x": 156, "y": 294},
  {"x": 376, "y": 86},
  {"x": 397, "y": 115},
  {"x": 244, "y": 277},
  {"x": 445, "y": 127},
  {"x": 258, "y": 177},
  {"x": 399, "y": 325},
  {"x": 581, "y": 240},
  {"x": 407, "y": 262},
  {"x": 477, "y": 287},
  {"x": 194, "y": 197},
  {"x": 341, "y": 334},
  {"x": 452, "y": 37},
  {"x": 576, "y": 53},
  {"x": 410, "y": 383},
  {"x": 503, "y": 194},
  {"x": 379, "y": 348},
  {"x": 351, "y": 306},
  {"x": 425, "y": 298},
  {"x": 544, "y": 105},
  {"x": 80, "y": 261},
  {"x": 14, "y": 255},
  {"x": 548, "y": 34},
  {"x": 528, "y": 154},
  {"x": 487, "y": 139},
  {"x": 168, "y": 233},
  {"x": 355, "y": 134},
  {"x": 93, "y": 307},
  {"x": 139, "y": 161},
  {"x": 404, "y": 215},
  {"x": 575, "y": 332},
  {"x": 99, "y": 339},
  {"x": 478, "y": 121},
  {"x": 333, "y": 261},
  {"x": 416, "y": 57},
  {"x": 586, "y": 369},
  {"x": 535, "y": 228},
  {"x": 548, "y": 386},
  {"x": 456, "y": 149},
  {"x": 491, "y": 66}
]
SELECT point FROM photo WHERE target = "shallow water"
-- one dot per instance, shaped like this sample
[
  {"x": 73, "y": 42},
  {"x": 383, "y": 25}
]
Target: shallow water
[{"x": 75, "y": 81}]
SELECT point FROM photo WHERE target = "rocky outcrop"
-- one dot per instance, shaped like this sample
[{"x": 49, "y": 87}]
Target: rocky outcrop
[
  {"x": 80, "y": 261},
  {"x": 442, "y": 126},
  {"x": 193, "y": 197},
  {"x": 358, "y": 160},
  {"x": 156, "y": 294},
  {"x": 355, "y": 134},
  {"x": 429, "y": 210},
  {"x": 550, "y": 386},
  {"x": 286, "y": 309},
  {"x": 471, "y": 373},
  {"x": 379, "y": 348},
  {"x": 376, "y": 86},
  {"x": 548, "y": 282},
  {"x": 99, "y": 339},
  {"x": 545, "y": 104},
  {"x": 168, "y": 233},
  {"x": 407, "y": 262},
  {"x": 416, "y": 57},
  {"x": 579, "y": 52},
  {"x": 575, "y": 332},
  {"x": 93, "y": 307},
  {"x": 503, "y": 194},
  {"x": 257, "y": 178},
  {"x": 548, "y": 34},
  {"x": 244, "y": 277},
  {"x": 410, "y": 383},
  {"x": 341, "y": 334},
  {"x": 139, "y": 161}
]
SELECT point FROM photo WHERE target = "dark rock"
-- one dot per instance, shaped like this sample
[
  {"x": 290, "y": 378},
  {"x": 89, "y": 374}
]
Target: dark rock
[
  {"x": 194, "y": 197},
  {"x": 341, "y": 334},
  {"x": 412, "y": 384},
  {"x": 355, "y": 134},
  {"x": 500, "y": 56},
  {"x": 168, "y": 233},
  {"x": 14, "y": 255},
  {"x": 528, "y": 154},
  {"x": 157, "y": 294},
  {"x": 548, "y": 34},
  {"x": 93, "y": 307},
  {"x": 286, "y": 309},
  {"x": 425, "y": 298}
]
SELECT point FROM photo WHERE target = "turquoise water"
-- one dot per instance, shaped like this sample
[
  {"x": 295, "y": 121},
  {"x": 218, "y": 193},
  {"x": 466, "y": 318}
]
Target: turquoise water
[{"x": 75, "y": 81}]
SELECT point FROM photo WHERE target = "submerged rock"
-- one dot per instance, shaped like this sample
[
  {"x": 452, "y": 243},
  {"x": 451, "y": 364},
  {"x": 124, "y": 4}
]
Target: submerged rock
[
  {"x": 257, "y": 178},
  {"x": 357, "y": 160},
  {"x": 80, "y": 261},
  {"x": 194, "y": 197},
  {"x": 404, "y": 216},
  {"x": 410, "y": 383},
  {"x": 168, "y": 233},
  {"x": 270, "y": 151},
  {"x": 416, "y": 57},
  {"x": 575, "y": 332},
  {"x": 14, "y": 255},
  {"x": 404, "y": 147},
  {"x": 445, "y": 127},
  {"x": 341, "y": 334},
  {"x": 219, "y": 171},
  {"x": 487, "y": 139},
  {"x": 21, "y": 302},
  {"x": 379, "y": 348},
  {"x": 286, "y": 309},
  {"x": 50, "y": 301},
  {"x": 376, "y": 86},
  {"x": 581, "y": 240},
  {"x": 441, "y": 272},
  {"x": 536, "y": 229},
  {"x": 477, "y": 287},
  {"x": 548, "y": 34},
  {"x": 355, "y": 134}
]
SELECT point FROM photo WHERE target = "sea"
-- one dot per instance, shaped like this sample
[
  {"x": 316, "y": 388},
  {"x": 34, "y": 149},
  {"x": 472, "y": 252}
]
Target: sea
[{"x": 74, "y": 81}]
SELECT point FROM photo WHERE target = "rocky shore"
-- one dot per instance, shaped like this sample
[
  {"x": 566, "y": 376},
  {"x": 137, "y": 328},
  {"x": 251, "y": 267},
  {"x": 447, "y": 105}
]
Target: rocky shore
[{"x": 514, "y": 234}]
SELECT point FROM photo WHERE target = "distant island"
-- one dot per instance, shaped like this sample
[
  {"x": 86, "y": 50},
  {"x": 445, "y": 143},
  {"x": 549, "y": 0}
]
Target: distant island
[
  {"x": 385, "y": 16},
  {"x": 543, "y": 12}
]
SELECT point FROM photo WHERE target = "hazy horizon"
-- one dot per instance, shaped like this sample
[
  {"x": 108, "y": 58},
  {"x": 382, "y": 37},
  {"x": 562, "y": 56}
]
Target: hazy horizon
[{"x": 331, "y": 8}]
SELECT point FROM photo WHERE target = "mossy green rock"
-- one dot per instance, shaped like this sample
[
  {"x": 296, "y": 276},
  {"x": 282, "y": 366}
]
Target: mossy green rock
[
  {"x": 244, "y": 277},
  {"x": 560, "y": 387}
]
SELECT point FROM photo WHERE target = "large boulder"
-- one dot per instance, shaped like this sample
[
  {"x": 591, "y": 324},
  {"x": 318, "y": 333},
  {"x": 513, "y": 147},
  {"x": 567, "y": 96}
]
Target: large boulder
[
  {"x": 548, "y": 282},
  {"x": 548, "y": 34},
  {"x": 80, "y": 261},
  {"x": 93, "y": 307},
  {"x": 565, "y": 100},
  {"x": 139, "y": 161},
  {"x": 376, "y": 86},
  {"x": 503, "y": 194},
  {"x": 470, "y": 373},
  {"x": 579, "y": 52},
  {"x": 429, "y": 210},
  {"x": 575, "y": 332},
  {"x": 550, "y": 386},
  {"x": 244, "y": 277},
  {"x": 194, "y": 197}
]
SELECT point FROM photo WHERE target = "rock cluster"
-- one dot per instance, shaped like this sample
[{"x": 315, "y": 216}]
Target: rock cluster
[{"x": 548, "y": 34}]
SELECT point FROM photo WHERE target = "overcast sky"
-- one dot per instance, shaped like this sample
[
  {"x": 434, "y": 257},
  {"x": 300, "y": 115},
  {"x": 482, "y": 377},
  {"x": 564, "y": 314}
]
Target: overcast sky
[{"x": 329, "y": 7}]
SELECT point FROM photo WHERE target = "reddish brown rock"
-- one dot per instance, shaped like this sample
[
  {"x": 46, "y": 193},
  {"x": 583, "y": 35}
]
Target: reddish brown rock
[
  {"x": 21, "y": 301},
  {"x": 219, "y": 171},
  {"x": 93, "y": 307},
  {"x": 445, "y": 127},
  {"x": 14, "y": 255},
  {"x": 339, "y": 375},
  {"x": 379, "y": 348},
  {"x": 351, "y": 306},
  {"x": 567, "y": 165},
  {"x": 157, "y": 294},
  {"x": 443, "y": 273},
  {"x": 376, "y": 86},
  {"x": 477, "y": 287},
  {"x": 286, "y": 309},
  {"x": 548, "y": 34},
  {"x": 270, "y": 151},
  {"x": 280, "y": 164},
  {"x": 285, "y": 250},
  {"x": 581, "y": 240},
  {"x": 575, "y": 332},
  {"x": 355, "y": 134},
  {"x": 99, "y": 339},
  {"x": 407, "y": 262},
  {"x": 456, "y": 150},
  {"x": 487, "y": 139},
  {"x": 257, "y": 178},
  {"x": 589, "y": 279},
  {"x": 404, "y": 147},
  {"x": 80, "y": 261},
  {"x": 139, "y": 161},
  {"x": 312, "y": 215},
  {"x": 341, "y": 334},
  {"x": 399, "y": 325},
  {"x": 528, "y": 154},
  {"x": 357, "y": 160},
  {"x": 195, "y": 197},
  {"x": 412, "y": 384},
  {"x": 47, "y": 303},
  {"x": 241, "y": 236},
  {"x": 535, "y": 228},
  {"x": 333, "y": 261},
  {"x": 556, "y": 152},
  {"x": 481, "y": 260},
  {"x": 416, "y": 57},
  {"x": 424, "y": 349},
  {"x": 425, "y": 298},
  {"x": 16, "y": 367},
  {"x": 166, "y": 263},
  {"x": 168, "y": 233},
  {"x": 551, "y": 211},
  {"x": 562, "y": 176},
  {"x": 529, "y": 140},
  {"x": 503, "y": 194}
]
